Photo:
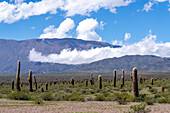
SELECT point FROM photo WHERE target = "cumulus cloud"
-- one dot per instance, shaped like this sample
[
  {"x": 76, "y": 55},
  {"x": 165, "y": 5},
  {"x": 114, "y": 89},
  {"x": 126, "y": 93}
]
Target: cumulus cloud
[
  {"x": 86, "y": 30},
  {"x": 148, "y": 6},
  {"x": 11, "y": 13},
  {"x": 60, "y": 32},
  {"x": 127, "y": 36},
  {"x": 147, "y": 46}
]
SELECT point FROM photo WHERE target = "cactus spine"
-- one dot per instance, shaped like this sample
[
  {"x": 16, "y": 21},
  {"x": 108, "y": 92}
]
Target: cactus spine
[
  {"x": 135, "y": 82},
  {"x": 114, "y": 78},
  {"x": 35, "y": 82},
  {"x": 18, "y": 78},
  {"x": 46, "y": 86},
  {"x": 100, "y": 81},
  {"x": 12, "y": 84},
  {"x": 151, "y": 81},
  {"x": 30, "y": 80},
  {"x": 123, "y": 77}
]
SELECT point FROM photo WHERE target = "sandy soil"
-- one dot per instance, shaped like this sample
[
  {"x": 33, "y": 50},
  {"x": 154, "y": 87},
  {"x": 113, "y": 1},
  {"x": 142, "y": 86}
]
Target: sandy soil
[{"x": 10, "y": 106}]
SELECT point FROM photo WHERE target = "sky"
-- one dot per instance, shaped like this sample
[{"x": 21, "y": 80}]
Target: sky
[{"x": 119, "y": 22}]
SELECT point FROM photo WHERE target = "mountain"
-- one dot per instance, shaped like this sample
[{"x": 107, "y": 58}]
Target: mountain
[
  {"x": 142, "y": 62},
  {"x": 11, "y": 51}
]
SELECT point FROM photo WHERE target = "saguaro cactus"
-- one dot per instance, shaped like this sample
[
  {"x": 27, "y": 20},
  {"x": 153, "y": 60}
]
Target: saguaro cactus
[
  {"x": 46, "y": 86},
  {"x": 86, "y": 81},
  {"x": 12, "y": 84},
  {"x": 162, "y": 88},
  {"x": 123, "y": 77},
  {"x": 100, "y": 81},
  {"x": 140, "y": 80},
  {"x": 42, "y": 89},
  {"x": 151, "y": 81},
  {"x": 18, "y": 77},
  {"x": 114, "y": 78},
  {"x": 135, "y": 82},
  {"x": 30, "y": 80},
  {"x": 72, "y": 81},
  {"x": 121, "y": 85},
  {"x": 35, "y": 82},
  {"x": 91, "y": 79}
]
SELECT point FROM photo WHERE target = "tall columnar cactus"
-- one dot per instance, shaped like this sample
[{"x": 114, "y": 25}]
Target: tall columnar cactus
[
  {"x": 72, "y": 81},
  {"x": 91, "y": 79},
  {"x": 123, "y": 77},
  {"x": 114, "y": 78},
  {"x": 162, "y": 88},
  {"x": 100, "y": 81},
  {"x": 30, "y": 80},
  {"x": 46, "y": 86},
  {"x": 21, "y": 84},
  {"x": 121, "y": 85},
  {"x": 35, "y": 82},
  {"x": 42, "y": 89},
  {"x": 140, "y": 80},
  {"x": 135, "y": 82},
  {"x": 151, "y": 81},
  {"x": 18, "y": 77},
  {"x": 12, "y": 84},
  {"x": 86, "y": 81}
]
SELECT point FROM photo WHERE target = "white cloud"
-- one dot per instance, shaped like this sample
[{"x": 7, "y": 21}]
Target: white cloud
[
  {"x": 116, "y": 42},
  {"x": 127, "y": 36},
  {"x": 33, "y": 27},
  {"x": 86, "y": 30},
  {"x": 60, "y": 32},
  {"x": 146, "y": 46},
  {"x": 148, "y": 6},
  {"x": 11, "y": 13}
]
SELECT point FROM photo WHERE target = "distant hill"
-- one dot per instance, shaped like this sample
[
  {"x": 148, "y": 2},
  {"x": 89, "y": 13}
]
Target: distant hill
[{"x": 11, "y": 51}]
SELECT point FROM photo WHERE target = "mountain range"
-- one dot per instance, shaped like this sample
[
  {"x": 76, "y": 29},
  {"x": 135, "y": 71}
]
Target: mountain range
[{"x": 11, "y": 51}]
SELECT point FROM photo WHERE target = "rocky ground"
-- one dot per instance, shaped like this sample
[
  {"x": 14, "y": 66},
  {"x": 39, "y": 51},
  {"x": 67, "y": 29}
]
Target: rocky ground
[{"x": 11, "y": 106}]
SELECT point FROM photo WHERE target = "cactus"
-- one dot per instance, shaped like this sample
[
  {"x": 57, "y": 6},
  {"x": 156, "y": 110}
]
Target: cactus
[
  {"x": 114, "y": 78},
  {"x": 12, "y": 84},
  {"x": 30, "y": 80},
  {"x": 135, "y": 82},
  {"x": 123, "y": 77},
  {"x": 140, "y": 80},
  {"x": 42, "y": 89},
  {"x": 21, "y": 84},
  {"x": 131, "y": 76},
  {"x": 86, "y": 80},
  {"x": 100, "y": 81},
  {"x": 162, "y": 88},
  {"x": 151, "y": 81},
  {"x": 121, "y": 85},
  {"x": 18, "y": 77},
  {"x": 91, "y": 79},
  {"x": 72, "y": 81},
  {"x": 35, "y": 82},
  {"x": 46, "y": 86}
]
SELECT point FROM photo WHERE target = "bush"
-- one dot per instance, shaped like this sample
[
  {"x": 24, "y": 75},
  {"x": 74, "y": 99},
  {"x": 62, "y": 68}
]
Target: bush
[
  {"x": 38, "y": 101},
  {"x": 123, "y": 98},
  {"x": 141, "y": 98},
  {"x": 92, "y": 91},
  {"x": 162, "y": 100},
  {"x": 47, "y": 96},
  {"x": 153, "y": 91},
  {"x": 149, "y": 100},
  {"x": 99, "y": 98},
  {"x": 73, "y": 97},
  {"x": 19, "y": 96},
  {"x": 140, "y": 108}
]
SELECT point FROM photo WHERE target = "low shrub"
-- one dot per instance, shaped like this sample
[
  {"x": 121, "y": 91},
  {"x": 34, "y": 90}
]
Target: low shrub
[
  {"x": 99, "y": 98},
  {"x": 47, "y": 96},
  {"x": 19, "y": 96},
  {"x": 38, "y": 101},
  {"x": 141, "y": 108},
  {"x": 162, "y": 100},
  {"x": 149, "y": 100}
]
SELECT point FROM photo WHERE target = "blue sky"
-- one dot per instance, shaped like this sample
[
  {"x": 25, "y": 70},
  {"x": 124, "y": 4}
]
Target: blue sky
[{"x": 131, "y": 18}]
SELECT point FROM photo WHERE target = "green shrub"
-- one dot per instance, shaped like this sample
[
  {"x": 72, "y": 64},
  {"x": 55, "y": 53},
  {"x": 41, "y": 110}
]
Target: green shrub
[
  {"x": 92, "y": 91},
  {"x": 157, "y": 96},
  {"x": 162, "y": 100},
  {"x": 19, "y": 96},
  {"x": 123, "y": 98},
  {"x": 153, "y": 90},
  {"x": 140, "y": 108},
  {"x": 141, "y": 98},
  {"x": 47, "y": 96},
  {"x": 38, "y": 101},
  {"x": 99, "y": 98},
  {"x": 73, "y": 97},
  {"x": 149, "y": 100}
]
